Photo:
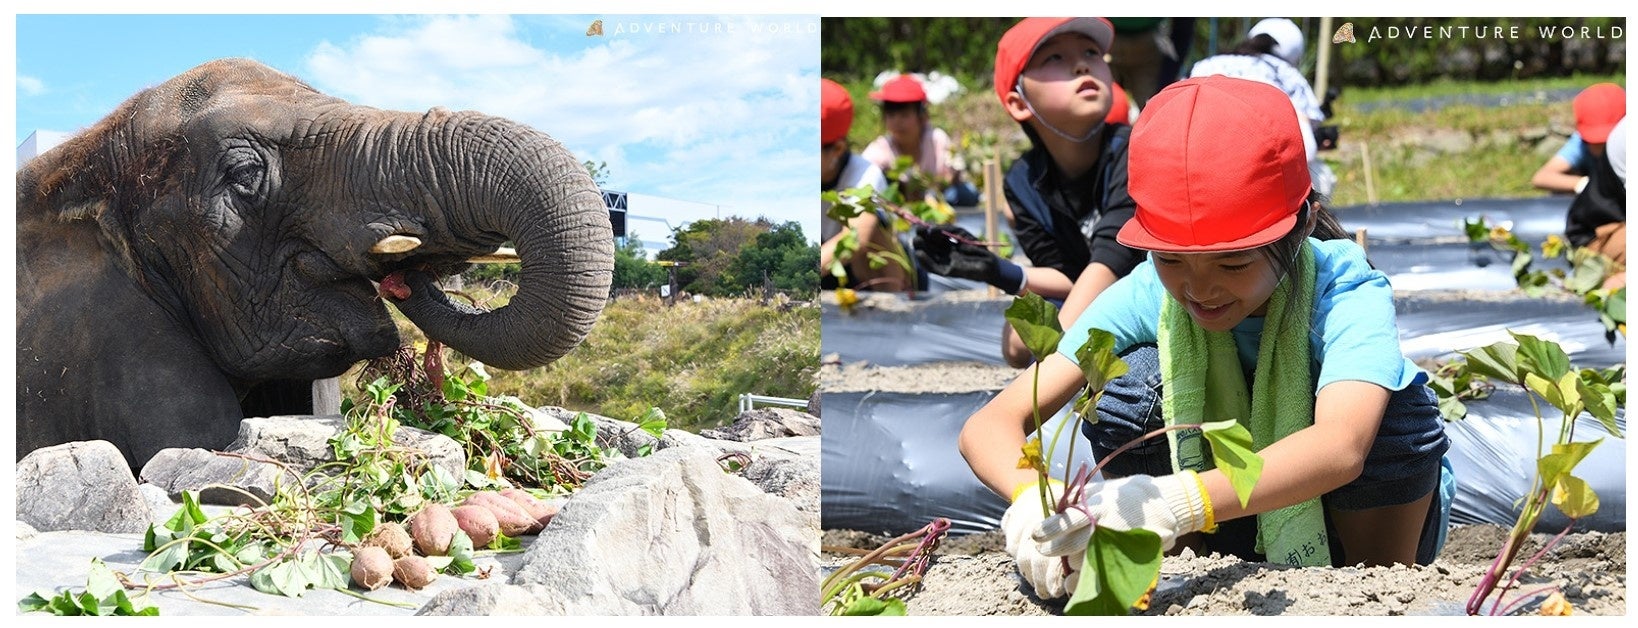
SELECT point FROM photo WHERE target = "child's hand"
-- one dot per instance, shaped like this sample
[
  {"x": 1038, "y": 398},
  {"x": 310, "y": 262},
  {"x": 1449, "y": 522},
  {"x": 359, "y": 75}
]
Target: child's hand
[
  {"x": 1169, "y": 505},
  {"x": 949, "y": 251},
  {"x": 1044, "y": 573}
]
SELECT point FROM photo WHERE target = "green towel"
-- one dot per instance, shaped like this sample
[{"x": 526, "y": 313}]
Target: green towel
[{"x": 1280, "y": 402}]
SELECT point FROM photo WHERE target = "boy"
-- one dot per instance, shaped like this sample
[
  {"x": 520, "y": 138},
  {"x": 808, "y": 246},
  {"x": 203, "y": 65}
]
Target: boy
[
  {"x": 1597, "y": 108},
  {"x": 910, "y": 132},
  {"x": 1068, "y": 192},
  {"x": 840, "y": 169}
]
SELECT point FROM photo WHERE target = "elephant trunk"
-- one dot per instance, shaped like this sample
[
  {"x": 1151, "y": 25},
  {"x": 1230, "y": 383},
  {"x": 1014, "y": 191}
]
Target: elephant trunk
[{"x": 531, "y": 191}]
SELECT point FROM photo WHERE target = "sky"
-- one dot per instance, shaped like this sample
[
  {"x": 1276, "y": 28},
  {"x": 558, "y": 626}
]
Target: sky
[{"x": 696, "y": 116}]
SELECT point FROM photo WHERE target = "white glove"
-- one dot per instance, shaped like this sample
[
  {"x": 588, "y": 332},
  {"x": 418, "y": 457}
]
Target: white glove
[
  {"x": 1044, "y": 573},
  {"x": 1169, "y": 505}
]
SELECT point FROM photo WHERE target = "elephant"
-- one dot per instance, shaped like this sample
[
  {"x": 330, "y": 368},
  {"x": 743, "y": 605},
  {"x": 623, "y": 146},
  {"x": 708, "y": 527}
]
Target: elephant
[{"x": 222, "y": 235}]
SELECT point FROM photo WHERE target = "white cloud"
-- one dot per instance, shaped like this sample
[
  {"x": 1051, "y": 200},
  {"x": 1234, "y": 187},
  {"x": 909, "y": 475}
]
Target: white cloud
[
  {"x": 30, "y": 86},
  {"x": 707, "y": 109}
]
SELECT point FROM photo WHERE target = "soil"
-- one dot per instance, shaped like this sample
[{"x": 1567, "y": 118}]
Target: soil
[{"x": 973, "y": 575}]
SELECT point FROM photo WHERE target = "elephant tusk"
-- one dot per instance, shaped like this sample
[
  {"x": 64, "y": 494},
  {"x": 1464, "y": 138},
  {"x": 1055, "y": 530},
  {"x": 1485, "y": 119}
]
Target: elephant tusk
[
  {"x": 501, "y": 255},
  {"x": 396, "y": 244}
]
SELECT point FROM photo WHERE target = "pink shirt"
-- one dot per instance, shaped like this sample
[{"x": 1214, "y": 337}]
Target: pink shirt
[{"x": 934, "y": 156}]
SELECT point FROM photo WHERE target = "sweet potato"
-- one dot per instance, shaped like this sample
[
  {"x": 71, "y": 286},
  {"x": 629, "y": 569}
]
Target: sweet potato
[
  {"x": 414, "y": 572},
  {"x": 478, "y": 523},
  {"x": 541, "y": 511},
  {"x": 433, "y": 529},
  {"x": 392, "y": 537},
  {"x": 514, "y": 522},
  {"x": 372, "y": 567}
]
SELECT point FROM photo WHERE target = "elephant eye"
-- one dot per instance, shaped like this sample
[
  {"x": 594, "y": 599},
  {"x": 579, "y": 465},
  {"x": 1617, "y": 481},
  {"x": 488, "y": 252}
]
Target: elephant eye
[{"x": 244, "y": 176}]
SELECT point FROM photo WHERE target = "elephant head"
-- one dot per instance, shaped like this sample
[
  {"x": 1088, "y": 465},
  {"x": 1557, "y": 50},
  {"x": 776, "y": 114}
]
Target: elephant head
[{"x": 237, "y": 211}]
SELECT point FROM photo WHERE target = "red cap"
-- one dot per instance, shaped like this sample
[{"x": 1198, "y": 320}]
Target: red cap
[
  {"x": 901, "y": 88},
  {"x": 1020, "y": 41},
  {"x": 1217, "y": 164},
  {"x": 835, "y": 111},
  {"x": 1597, "y": 109},
  {"x": 1120, "y": 109}
]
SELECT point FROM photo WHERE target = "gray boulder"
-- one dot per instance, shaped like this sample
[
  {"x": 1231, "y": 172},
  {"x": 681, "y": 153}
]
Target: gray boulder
[
  {"x": 786, "y": 467},
  {"x": 492, "y": 598},
  {"x": 219, "y": 479},
  {"x": 303, "y": 442},
  {"x": 80, "y": 486},
  {"x": 763, "y": 423},
  {"x": 673, "y": 534},
  {"x": 25, "y": 531}
]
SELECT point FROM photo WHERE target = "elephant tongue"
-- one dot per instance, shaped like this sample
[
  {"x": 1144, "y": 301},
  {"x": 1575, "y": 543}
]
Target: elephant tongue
[{"x": 393, "y": 286}]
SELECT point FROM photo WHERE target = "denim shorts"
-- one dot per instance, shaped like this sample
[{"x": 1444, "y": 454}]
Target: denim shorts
[{"x": 1404, "y": 463}]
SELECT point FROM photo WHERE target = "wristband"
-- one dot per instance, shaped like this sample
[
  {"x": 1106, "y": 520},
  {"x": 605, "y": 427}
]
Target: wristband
[
  {"x": 1205, "y": 497},
  {"x": 1009, "y": 276},
  {"x": 1027, "y": 487},
  {"x": 1581, "y": 184}
]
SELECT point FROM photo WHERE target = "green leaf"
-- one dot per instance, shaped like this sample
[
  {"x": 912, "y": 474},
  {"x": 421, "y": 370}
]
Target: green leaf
[
  {"x": 1120, "y": 568},
  {"x": 460, "y": 554},
  {"x": 1574, "y": 497},
  {"x": 1600, "y": 401},
  {"x": 1097, "y": 359},
  {"x": 1452, "y": 408},
  {"x": 867, "y": 606},
  {"x": 1521, "y": 264},
  {"x": 653, "y": 421},
  {"x": 1498, "y": 361},
  {"x": 1544, "y": 357},
  {"x": 1545, "y": 388},
  {"x": 1036, "y": 322},
  {"x": 169, "y": 559},
  {"x": 1565, "y": 457},
  {"x": 1231, "y": 452}
]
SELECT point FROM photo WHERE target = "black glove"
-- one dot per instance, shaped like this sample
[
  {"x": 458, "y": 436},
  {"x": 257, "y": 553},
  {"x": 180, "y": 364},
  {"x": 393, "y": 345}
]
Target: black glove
[{"x": 946, "y": 251}]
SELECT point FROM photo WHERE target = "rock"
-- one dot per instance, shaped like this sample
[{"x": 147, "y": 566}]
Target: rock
[
  {"x": 159, "y": 501},
  {"x": 25, "y": 531},
  {"x": 673, "y": 534},
  {"x": 765, "y": 423},
  {"x": 80, "y": 486},
  {"x": 813, "y": 404},
  {"x": 624, "y": 435},
  {"x": 491, "y": 598},
  {"x": 210, "y": 474},
  {"x": 786, "y": 467},
  {"x": 303, "y": 442}
]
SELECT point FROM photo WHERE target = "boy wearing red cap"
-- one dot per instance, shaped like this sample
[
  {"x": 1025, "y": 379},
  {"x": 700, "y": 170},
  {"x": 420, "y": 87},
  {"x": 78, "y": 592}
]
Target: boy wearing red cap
[
  {"x": 841, "y": 169},
  {"x": 1254, "y": 306},
  {"x": 910, "y": 132},
  {"x": 1068, "y": 192},
  {"x": 1597, "y": 109},
  {"x": 1597, "y": 218}
]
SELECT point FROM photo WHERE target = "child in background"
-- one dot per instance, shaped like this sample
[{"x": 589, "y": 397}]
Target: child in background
[
  {"x": 910, "y": 132},
  {"x": 1254, "y": 306},
  {"x": 1068, "y": 192},
  {"x": 840, "y": 169},
  {"x": 1597, "y": 109}
]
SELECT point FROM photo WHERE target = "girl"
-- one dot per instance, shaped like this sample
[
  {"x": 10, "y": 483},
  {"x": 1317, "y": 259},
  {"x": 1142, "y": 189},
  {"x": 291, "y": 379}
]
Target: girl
[{"x": 1253, "y": 306}]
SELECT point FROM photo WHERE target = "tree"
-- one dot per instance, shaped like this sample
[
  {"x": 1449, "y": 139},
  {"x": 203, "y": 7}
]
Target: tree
[
  {"x": 789, "y": 261},
  {"x": 632, "y": 268},
  {"x": 599, "y": 171},
  {"x": 707, "y": 248}
]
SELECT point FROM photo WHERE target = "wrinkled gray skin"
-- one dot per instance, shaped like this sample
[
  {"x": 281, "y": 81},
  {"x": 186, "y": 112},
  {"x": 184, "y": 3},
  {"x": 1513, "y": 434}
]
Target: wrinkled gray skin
[{"x": 211, "y": 237}]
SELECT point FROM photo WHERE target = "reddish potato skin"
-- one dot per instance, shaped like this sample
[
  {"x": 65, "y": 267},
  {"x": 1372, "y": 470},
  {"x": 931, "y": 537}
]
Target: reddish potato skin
[
  {"x": 372, "y": 567},
  {"x": 392, "y": 537},
  {"x": 433, "y": 529},
  {"x": 514, "y": 522},
  {"x": 414, "y": 572},
  {"x": 478, "y": 523},
  {"x": 541, "y": 511}
]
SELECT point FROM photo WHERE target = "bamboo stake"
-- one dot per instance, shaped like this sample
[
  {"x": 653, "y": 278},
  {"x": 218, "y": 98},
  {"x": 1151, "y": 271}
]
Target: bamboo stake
[{"x": 992, "y": 203}]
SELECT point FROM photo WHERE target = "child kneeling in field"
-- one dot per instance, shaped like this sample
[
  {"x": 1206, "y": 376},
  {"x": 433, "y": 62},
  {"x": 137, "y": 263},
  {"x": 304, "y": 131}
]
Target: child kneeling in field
[{"x": 1253, "y": 306}]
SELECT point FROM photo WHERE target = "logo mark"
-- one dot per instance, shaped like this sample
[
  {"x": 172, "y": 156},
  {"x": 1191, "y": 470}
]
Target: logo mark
[
  {"x": 596, "y": 29},
  {"x": 1345, "y": 33}
]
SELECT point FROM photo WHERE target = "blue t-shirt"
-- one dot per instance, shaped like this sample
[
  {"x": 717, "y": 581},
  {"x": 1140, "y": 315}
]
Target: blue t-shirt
[
  {"x": 1575, "y": 152},
  {"x": 1353, "y": 331}
]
